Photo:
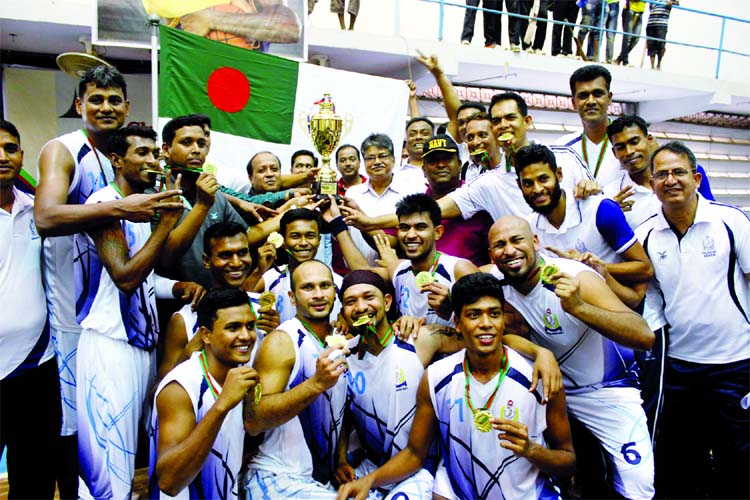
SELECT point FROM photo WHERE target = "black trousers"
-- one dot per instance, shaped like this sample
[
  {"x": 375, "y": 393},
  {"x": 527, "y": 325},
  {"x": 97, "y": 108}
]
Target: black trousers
[
  {"x": 562, "y": 36},
  {"x": 492, "y": 26},
  {"x": 30, "y": 421}
]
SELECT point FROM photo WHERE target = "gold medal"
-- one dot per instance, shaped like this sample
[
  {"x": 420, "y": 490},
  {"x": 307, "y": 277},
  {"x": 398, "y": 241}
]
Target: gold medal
[
  {"x": 258, "y": 393},
  {"x": 362, "y": 321},
  {"x": 506, "y": 137},
  {"x": 276, "y": 239},
  {"x": 423, "y": 278},
  {"x": 483, "y": 420},
  {"x": 336, "y": 340},
  {"x": 546, "y": 273},
  {"x": 210, "y": 168},
  {"x": 267, "y": 299}
]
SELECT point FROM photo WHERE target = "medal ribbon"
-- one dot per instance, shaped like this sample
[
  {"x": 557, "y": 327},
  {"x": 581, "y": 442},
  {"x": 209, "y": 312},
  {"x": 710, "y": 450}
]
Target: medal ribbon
[
  {"x": 315, "y": 336},
  {"x": 435, "y": 264},
  {"x": 96, "y": 155},
  {"x": 385, "y": 342},
  {"x": 504, "y": 365},
  {"x": 206, "y": 376},
  {"x": 602, "y": 150},
  {"x": 536, "y": 271},
  {"x": 116, "y": 188}
]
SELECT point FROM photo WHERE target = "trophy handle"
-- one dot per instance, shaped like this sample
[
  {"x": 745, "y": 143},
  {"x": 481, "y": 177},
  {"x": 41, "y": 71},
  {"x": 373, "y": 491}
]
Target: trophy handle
[
  {"x": 346, "y": 127},
  {"x": 303, "y": 122}
]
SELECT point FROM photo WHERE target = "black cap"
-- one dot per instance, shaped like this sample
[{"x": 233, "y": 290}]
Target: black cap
[{"x": 440, "y": 142}]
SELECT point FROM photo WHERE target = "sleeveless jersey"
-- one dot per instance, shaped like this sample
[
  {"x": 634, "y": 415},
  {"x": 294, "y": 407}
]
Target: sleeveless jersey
[
  {"x": 190, "y": 319},
  {"x": 478, "y": 467},
  {"x": 278, "y": 282},
  {"x": 588, "y": 360},
  {"x": 383, "y": 400},
  {"x": 411, "y": 301},
  {"x": 219, "y": 476},
  {"x": 100, "y": 306},
  {"x": 305, "y": 445},
  {"x": 59, "y": 251}
]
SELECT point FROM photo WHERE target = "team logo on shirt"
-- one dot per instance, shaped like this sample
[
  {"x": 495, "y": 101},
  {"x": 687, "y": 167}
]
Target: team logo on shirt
[
  {"x": 709, "y": 248},
  {"x": 551, "y": 323},
  {"x": 32, "y": 230},
  {"x": 509, "y": 411},
  {"x": 662, "y": 255},
  {"x": 581, "y": 246},
  {"x": 213, "y": 216},
  {"x": 400, "y": 380}
]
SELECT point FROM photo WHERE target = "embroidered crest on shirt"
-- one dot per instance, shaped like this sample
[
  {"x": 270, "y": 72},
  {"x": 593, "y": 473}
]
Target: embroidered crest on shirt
[
  {"x": 509, "y": 411},
  {"x": 400, "y": 380},
  {"x": 709, "y": 248},
  {"x": 551, "y": 323},
  {"x": 581, "y": 246},
  {"x": 662, "y": 255}
]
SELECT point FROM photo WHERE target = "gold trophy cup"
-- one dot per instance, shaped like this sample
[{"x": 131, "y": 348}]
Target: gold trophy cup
[{"x": 325, "y": 132}]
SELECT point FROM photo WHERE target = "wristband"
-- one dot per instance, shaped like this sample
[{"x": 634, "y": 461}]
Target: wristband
[{"x": 337, "y": 226}]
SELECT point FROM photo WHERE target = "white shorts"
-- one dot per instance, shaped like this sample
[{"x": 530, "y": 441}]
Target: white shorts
[
  {"x": 113, "y": 382},
  {"x": 415, "y": 487},
  {"x": 264, "y": 484},
  {"x": 66, "y": 347},
  {"x": 614, "y": 415},
  {"x": 442, "y": 486}
]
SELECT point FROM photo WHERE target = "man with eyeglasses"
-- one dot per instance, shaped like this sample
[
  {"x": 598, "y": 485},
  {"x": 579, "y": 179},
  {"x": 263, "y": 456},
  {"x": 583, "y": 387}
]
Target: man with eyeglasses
[
  {"x": 700, "y": 250},
  {"x": 382, "y": 190}
]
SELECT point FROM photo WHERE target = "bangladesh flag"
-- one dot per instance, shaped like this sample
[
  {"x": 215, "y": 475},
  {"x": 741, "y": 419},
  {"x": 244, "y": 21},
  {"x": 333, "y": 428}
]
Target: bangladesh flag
[
  {"x": 260, "y": 102},
  {"x": 245, "y": 93}
]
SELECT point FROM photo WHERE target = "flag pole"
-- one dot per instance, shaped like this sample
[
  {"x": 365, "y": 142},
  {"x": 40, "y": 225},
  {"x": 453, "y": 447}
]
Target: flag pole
[{"x": 153, "y": 22}]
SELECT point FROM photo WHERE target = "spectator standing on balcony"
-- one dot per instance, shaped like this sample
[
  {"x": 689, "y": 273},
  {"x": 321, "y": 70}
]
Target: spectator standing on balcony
[
  {"x": 656, "y": 27},
  {"x": 517, "y": 25},
  {"x": 492, "y": 27},
  {"x": 337, "y": 7},
  {"x": 591, "y": 16},
  {"x": 536, "y": 33},
  {"x": 562, "y": 36},
  {"x": 632, "y": 20}
]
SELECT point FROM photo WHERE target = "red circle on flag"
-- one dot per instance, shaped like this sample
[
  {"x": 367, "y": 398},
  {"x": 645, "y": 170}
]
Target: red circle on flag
[{"x": 228, "y": 89}]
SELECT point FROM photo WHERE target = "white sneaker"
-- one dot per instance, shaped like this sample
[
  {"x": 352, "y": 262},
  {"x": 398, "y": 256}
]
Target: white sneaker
[
  {"x": 515, "y": 48},
  {"x": 465, "y": 42}
]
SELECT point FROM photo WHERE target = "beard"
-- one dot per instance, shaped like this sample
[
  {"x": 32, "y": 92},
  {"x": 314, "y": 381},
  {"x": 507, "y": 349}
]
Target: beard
[{"x": 553, "y": 202}]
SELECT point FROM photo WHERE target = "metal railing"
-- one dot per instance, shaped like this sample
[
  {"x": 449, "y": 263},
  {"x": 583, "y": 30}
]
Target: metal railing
[{"x": 719, "y": 49}]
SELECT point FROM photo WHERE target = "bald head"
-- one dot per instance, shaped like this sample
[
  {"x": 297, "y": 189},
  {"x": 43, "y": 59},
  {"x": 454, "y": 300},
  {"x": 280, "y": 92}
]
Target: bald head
[
  {"x": 513, "y": 248},
  {"x": 310, "y": 268}
]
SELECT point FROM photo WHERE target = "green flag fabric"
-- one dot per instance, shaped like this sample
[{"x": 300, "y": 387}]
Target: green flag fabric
[{"x": 245, "y": 93}]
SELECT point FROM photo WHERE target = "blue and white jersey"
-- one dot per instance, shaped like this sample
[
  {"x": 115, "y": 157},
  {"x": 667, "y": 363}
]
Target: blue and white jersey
[
  {"x": 610, "y": 168},
  {"x": 383, "y": 399},
  {"x": 219, "y": 476},
  {"x": 305, "y": 445},
  {"x": 279, "y": 282},
  {"x": 59, "y": 251},
  {"x": 411, "y": 301},
  {"x": 645, "y": 202},
  {"x": 497, "y": 191},
  {"x": 595, "y": 225},
  {"x": 703, "y": 278},
  {"x": 478, "y": 467},
  {"x": 588, "y": 360},
  {"x": 100, "y": 306}
]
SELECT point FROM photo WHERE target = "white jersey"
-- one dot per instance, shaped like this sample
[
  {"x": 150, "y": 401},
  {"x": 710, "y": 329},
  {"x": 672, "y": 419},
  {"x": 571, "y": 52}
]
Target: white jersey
[
  {"x": 703, "y": 278},
  {"x": 588, "y": 360},
  {"x": 497, "y": 191},
  {"x": 305, "y": 445},
  {"x": 478, "y": 467},
  {"x": 218, "y": 479},
  {"x": 190, "y": 319},
  {"x": 595, "y": 225},
  {"x": 92, "y": 172},
  {"x": 411, "y": 301},
  {"x": 279, "y": 282},
  {"x": 100, "y": 306},
  {"x": 383, "y": 399},
  {"x": 610, "y": 168},
  {"x": 24, "y": 335}
]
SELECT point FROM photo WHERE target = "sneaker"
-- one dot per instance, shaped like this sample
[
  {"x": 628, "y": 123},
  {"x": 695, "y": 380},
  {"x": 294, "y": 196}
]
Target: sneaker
[
  {"x": 515, "y": 48},
  {"x": 490, "y": 46},
  {"x": 531, "y": 50},
  {"x": 608, "y": 61},
  {"x": 465, "y": 42}
]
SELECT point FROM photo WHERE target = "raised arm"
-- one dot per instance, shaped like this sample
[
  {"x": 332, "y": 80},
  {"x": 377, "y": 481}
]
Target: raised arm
[
  {"x": 184, "y": 445},
  {"x": 54, "y": 217},
  {"x": 450, "y": 97},
  {"x": 274, "y": 362}
]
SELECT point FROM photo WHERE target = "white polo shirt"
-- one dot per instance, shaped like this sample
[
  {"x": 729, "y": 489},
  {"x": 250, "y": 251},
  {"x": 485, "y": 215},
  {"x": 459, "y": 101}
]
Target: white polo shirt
[
  {"x": 704, "y": 280},
  {"x": 374, "y": 204},
  {"x": 24, "y": 339},
  {"x": 498, "y": 193},
  {"x": 609, "y": 170}
]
